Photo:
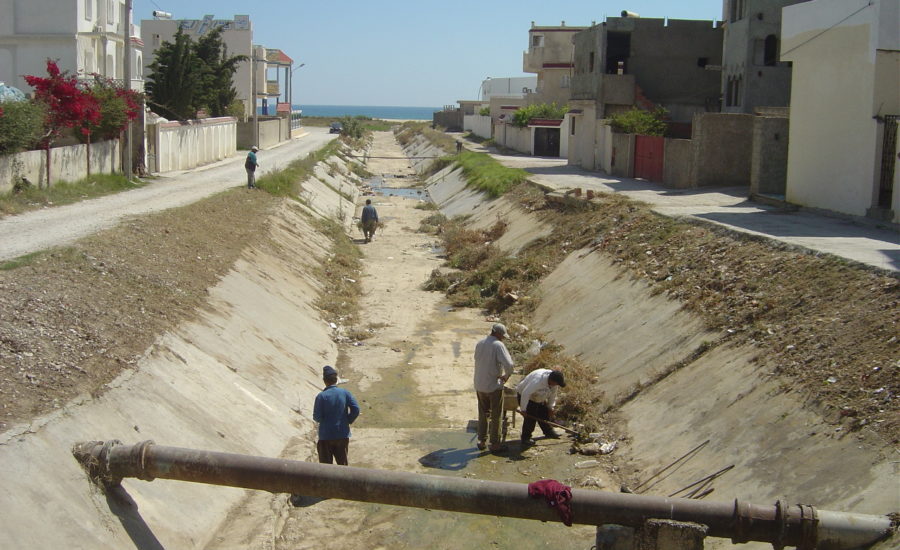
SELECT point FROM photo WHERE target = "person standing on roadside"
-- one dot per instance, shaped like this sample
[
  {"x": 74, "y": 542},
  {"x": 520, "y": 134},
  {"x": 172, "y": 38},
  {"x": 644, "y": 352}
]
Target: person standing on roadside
[
  {"x": 250, "y": 165},
  {"x": 537, "y": 400},
  {"x": 335, "y": 409},
  {"x": 369, "y": 220},
  {"x": 493, "y": 366}
]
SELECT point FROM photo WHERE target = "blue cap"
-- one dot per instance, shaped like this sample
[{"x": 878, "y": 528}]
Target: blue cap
[{"x": 328, "y": 371}]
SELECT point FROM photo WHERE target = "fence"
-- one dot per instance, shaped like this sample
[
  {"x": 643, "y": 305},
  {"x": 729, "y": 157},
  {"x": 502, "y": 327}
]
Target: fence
[
  {"x": 67, "y": 163},
  {"x": 183, "y": 145}
]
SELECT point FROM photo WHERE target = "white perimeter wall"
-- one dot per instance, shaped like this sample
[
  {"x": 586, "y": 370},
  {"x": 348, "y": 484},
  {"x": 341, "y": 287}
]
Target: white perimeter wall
[
  {"x": 834, "y": 137},
  {"x": 478, "y": 125},
  {"x": 188, "y": 144},
  {"x": 66, "y": 164}
]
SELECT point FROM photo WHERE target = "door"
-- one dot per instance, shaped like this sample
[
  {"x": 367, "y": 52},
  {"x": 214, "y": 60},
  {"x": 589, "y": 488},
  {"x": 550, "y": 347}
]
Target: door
[
  {"x": 546, "y": 142},
  {"x": 648, "y": 157}
]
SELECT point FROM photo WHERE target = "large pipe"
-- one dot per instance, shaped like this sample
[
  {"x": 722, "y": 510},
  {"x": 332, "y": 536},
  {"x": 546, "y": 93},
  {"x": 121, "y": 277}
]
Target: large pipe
[{"x": 802, "y": 526}]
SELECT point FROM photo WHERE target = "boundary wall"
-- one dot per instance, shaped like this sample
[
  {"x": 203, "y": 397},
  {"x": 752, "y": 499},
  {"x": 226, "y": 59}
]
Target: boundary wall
[
  {"x": 67, "y": 163},
  {"x": 182, "y": 145}
]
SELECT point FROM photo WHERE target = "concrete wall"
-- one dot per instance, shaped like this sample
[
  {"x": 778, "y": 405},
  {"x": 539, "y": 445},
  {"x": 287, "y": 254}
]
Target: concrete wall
[
  {"x": 722, "y": 149},
  {"x": 768, "y": 168},
  {"x": 188, "y": 144},
  {"x": 478, "y": 125},
  {"x": 272, "y": 131},
  {"x": 66, "y": 164},
  {"x": 518, "y": 139},
  {"x": 833, "y": 159},
  {"x": 451, "y": 120},
  {"x": 622, "y": 156},
  {"x": 678, "y": 163}
]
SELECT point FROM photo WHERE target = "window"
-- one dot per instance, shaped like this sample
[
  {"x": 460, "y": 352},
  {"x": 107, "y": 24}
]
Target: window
[
  {"x": 702, "y": 62},
  {"x": 88, "y": 9},
  {"x": 738, "y": 7},
  {"x": 572, "y": 125},
  {"x": 770, "y": 51},
  {"x": 565, "y": 81},
  {"x": 537, "y": 40},
  {"x": 591, "y": 63}
]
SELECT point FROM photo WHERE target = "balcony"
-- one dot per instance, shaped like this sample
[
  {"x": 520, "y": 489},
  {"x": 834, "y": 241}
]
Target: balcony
[
  {"x": 616, "y": 89},
  {"x": 272, "y": 88}
]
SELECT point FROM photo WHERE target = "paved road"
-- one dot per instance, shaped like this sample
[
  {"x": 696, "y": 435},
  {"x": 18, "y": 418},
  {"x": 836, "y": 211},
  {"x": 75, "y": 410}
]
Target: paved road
[
  {"x": 55, "y": 226},
  {"x": 860, "y": 242}
]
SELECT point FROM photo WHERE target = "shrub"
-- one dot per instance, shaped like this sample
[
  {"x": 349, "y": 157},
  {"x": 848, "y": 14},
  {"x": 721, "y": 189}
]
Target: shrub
[
  {"x": 523, "y": 116},
  {"x": 21, "y": 123},
  {"x": 637, "y": 121},
  {"x": 488, "y": 175},
  {"x": 485, "y": 111}
]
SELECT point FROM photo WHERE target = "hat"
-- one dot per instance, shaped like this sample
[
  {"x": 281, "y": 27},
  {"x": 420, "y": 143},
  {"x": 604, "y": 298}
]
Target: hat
[
  {"x": 499, "y": 329},
  {"x": 558, "y": 377},
  {"x": 254, "y": 148},
  {"x": 328, "y": 371}
]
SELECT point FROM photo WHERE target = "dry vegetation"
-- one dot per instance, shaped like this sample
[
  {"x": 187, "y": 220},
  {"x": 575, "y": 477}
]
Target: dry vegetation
[{"x": 825, "y": 325}]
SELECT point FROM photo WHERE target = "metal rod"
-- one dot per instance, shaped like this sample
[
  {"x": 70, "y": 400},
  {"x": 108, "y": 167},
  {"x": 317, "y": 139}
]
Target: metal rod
[
  {"x": 676, "y": 461},
  {"x": 109, "y": 462},
  {"x": 552, "y": 423}
]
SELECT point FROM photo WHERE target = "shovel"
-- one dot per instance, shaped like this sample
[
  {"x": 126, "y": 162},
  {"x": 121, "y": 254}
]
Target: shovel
[{"x": 579, "y": 435}]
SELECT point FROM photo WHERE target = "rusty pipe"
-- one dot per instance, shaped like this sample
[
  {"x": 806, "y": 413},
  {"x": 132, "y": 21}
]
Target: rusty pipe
[{"x": 782, "y": 525}]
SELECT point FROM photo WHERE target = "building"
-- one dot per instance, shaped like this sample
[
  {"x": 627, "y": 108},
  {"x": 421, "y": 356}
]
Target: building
[
  {"x": 507, "y": 87},
  {"x": 85, "y": 37},
  {"x": 752, "y": 73},
  {"x": 550, "y": 55},
  {"x": 627, "y": 62},
  {"x": 845, "y": 104},
  {"x": 237, "y": 35}
]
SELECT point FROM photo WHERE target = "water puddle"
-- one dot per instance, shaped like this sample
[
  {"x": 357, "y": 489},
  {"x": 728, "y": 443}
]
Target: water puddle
[{"x": 378, "y": 186}]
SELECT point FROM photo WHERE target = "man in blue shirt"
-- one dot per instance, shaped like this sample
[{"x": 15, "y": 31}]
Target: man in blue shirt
[
  {"x": 369, "y": 219},
  {"x": 335, "y": 410},
  {"x": 250, "y": 166}
]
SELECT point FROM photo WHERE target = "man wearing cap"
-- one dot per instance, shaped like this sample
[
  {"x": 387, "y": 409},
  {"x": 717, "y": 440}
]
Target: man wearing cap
[
  {"x": 537, "y": 399},
  {"x": 493, "y": 365},
  {"x": 250, "y": 165},
  {"x": 335, "y": 409}
]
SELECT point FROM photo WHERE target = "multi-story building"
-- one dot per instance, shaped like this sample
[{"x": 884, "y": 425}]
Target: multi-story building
[
  {"x": 550, "y": 55},
  {"x": 507, "y": 87},
  {"x": 845, "y": 106},
  {"x": 85, "y": 37},
  {"x": 753, "y": 75}
]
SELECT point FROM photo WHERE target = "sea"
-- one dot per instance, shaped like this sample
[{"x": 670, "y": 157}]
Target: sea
[{"x": 373, "y": 111}]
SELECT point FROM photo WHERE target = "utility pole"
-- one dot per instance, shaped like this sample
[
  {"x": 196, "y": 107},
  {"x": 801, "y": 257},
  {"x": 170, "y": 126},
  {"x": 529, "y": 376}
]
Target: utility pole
[
  {"x": 126, "y": 69},
  {"x": 253, "y": 95}
]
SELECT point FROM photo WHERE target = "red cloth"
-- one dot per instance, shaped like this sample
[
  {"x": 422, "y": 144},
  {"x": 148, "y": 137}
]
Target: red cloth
[{"x": 556, "y": 494}]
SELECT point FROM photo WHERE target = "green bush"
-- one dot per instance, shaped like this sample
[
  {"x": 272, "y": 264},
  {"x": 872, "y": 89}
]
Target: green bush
[
  {"x": 488, "y": 175},
  {"x": 637, "y": 121},
  {"x": 523, "y": 116},
  {"x": 485, "y": 111},
  {"x": 21, "y": 123}
]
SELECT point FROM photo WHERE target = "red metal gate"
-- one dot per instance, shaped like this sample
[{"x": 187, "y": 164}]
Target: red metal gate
[{"x": 648, "y": 157}]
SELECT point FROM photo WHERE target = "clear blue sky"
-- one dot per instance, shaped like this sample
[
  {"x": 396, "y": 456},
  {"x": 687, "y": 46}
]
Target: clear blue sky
[{"x": 418, "y": 53}]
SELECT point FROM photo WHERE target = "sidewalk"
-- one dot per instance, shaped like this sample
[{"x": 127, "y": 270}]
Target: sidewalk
[{"x": 727, "y": 206}]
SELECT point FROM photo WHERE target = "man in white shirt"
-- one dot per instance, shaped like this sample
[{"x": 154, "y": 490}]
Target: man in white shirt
[
  {"x": 537, "y": 399},
  {"x": 493, "y": 365}
]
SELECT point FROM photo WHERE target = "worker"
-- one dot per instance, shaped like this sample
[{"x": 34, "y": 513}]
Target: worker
[
  {"x": 335, "y": 409},
  {"x": 493, "y": 366},
  {"x": 537, "y": 401},
  {"x": 369, "y": 220}
]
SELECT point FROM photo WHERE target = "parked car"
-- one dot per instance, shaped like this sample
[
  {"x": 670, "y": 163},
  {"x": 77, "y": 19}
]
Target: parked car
[{"x": 336, "y": 128}]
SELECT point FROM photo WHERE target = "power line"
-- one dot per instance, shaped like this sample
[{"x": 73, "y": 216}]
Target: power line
[{"x": 810, "y": 39}]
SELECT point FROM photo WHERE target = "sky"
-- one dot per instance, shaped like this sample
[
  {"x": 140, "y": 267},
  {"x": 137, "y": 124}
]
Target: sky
[{"x": 417, "y": 53}]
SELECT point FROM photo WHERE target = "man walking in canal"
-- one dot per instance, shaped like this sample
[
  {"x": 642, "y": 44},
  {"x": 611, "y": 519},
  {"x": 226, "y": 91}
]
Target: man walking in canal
[
  {"x": 493, "y": 366},
  {"x": 537, "y": 400},
  {"x": 335, "y": 409},
  {"x": 250, "y": 165},
  {"x": 369, "y": 220}
]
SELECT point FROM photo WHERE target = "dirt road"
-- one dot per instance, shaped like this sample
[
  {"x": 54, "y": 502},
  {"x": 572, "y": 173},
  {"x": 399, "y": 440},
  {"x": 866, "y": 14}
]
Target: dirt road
[
  {"x": 414, "y": 383},
  {"x": 41, "y": 229}
]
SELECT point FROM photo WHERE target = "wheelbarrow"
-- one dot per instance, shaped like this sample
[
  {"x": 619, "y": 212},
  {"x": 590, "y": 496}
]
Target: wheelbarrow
[{"x": 509, "y": 406}]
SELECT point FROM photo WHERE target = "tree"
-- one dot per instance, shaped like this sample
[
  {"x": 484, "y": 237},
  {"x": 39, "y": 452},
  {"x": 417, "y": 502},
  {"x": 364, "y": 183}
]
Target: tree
[
  {"x": 174, "y": 80},
  {"x": 66, "y": 104},
  {"x": 187, "y": 76},
  {"x": 21, "y": 124},
  {"x": 522, "y": 117},
  {"x": 216, "y": 68},
  {"x": 638, "y": 121},
  {"x": 117, "y": 107}
]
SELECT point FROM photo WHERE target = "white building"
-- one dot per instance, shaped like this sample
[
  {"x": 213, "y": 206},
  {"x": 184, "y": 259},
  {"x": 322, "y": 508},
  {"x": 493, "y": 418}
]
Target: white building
[
  {"x": 507, "y": 87},
  {"x": 237, "y": 35},
  {"x": 845, "y": 102},
  {"x": 83, "y": 36}
]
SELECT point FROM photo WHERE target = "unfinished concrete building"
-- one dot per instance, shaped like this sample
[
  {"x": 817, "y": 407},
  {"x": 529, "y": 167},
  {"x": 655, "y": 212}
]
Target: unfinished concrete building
[{"x": 752, "y": 73}]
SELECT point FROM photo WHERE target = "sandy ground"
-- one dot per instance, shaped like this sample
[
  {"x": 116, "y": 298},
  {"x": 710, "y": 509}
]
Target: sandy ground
[{"x": 413, "y": 380}]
